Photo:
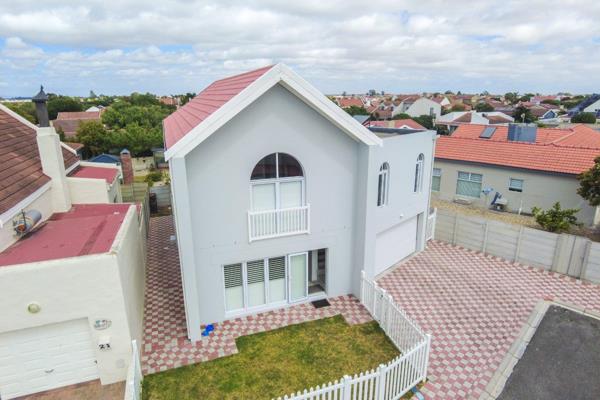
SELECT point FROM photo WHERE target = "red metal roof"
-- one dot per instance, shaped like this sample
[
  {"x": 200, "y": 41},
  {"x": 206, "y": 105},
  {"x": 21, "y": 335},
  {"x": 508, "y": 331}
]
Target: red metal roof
[
  {"x": 108, "y": 174},
  {"x": 186, "y": 118},
  {"x": 85, "y": 229},
  {"x": 568, "y": 151}
]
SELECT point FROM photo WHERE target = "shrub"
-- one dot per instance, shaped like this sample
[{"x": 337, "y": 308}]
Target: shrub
[
  {"x": 556, "y": 219},
  {"x": 584, "y": 118},
  {"x": 154, "y": 176}
]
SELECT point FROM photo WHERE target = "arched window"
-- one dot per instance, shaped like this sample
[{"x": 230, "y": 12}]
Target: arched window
[
  {"x": 419, "y": 173},
  {"x": 383, "y": 188},
  {"x": 277, "y": 182}
]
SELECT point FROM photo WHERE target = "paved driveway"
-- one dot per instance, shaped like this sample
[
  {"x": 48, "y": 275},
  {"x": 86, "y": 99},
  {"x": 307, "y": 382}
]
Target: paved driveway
[{"x": 474, "y": 306}]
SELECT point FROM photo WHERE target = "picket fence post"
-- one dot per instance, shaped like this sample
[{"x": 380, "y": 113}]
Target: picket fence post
[
  {"x": 380, "y": 383},
  {"x": 347, "y": 387},
  {"x": 427, "y": 349}
]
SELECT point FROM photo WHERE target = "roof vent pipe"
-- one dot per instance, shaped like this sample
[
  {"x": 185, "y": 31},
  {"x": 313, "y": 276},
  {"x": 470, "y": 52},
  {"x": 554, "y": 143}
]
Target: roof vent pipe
[{"x": 41, "y": 108}]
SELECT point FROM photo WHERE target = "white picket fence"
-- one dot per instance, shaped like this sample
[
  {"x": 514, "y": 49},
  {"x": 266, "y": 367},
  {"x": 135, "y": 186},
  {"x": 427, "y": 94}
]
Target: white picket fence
[
  {"x": 133, "y": 385},
  {"x": 430, "y": 233},
  {"x": 389, "y": 381}
]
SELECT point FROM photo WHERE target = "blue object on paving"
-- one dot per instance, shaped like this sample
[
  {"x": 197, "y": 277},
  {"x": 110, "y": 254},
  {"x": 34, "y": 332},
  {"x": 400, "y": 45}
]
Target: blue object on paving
[
  {"x": 209, "y": 328},
  {"x": 417, "y": 393}
]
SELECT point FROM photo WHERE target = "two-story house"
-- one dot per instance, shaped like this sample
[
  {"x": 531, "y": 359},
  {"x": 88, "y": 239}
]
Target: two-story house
[{"x": 281, "y": 197}]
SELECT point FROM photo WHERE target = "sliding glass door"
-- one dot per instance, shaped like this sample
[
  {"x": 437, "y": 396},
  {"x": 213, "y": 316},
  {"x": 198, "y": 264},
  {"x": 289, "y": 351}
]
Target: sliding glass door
[{"x": 298, "y": 276}]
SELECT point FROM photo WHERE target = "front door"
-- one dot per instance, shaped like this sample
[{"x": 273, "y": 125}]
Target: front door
[{"x": 298, "y": 276}]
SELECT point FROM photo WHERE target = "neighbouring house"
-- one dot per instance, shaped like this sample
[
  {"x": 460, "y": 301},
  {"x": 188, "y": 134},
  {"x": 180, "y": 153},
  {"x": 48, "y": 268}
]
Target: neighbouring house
[
  {"x": 416, "y": 106},
  {"x": 68, "y": 122},
  {"x": 95, "y": 109},
  {"x": 280, "y": 197},
  {"x": 169, "y": 100},
  {"x": 71, "y": 264},
  {"x": 396, "y": 124},
  {"x": 347, "y": 102},
  {"x": 78, "y": 147},
  {"x": 528, "y": 166},
  {"x": 591, "y": 104},
  {"x": 454, "y": 119}
]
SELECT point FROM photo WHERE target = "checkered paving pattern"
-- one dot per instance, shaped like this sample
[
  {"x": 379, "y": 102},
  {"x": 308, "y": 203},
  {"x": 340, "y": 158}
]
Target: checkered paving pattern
[
  {"x": 474, "y": 306},
  {"x": 165, "y": 335}
]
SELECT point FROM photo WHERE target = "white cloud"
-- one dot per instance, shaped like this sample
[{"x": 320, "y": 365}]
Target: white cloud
[{"x": 173, "y": 45}]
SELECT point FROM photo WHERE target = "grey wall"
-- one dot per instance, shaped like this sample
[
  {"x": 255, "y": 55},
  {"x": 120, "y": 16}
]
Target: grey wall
[
  {"x": 341, "y": 188},
  {"x": 567, "y": 254},
  {"x": 539, "y": 189},
  {"x": 219, "y": 191}
]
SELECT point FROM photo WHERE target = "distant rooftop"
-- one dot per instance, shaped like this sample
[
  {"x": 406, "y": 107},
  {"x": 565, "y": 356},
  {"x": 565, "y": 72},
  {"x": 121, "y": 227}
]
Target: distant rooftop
[
  {"x": 85, "y": 229},
  {"x": 108, "y": 174}
]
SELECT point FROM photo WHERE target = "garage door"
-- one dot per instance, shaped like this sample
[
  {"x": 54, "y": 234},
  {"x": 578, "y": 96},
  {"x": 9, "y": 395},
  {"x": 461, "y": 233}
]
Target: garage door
[
  {"x": 46, "y": 357},
  {"x": 395, "y": 244}
]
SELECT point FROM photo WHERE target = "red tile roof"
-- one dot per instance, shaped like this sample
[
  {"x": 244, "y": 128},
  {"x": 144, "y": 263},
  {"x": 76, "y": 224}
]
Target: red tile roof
[
  {"x": 568, "y": 151},
  {"x": 68, "y": 122},
  {"x": 182, "y": 121},
  {"x": 21, "y": 174},
  {"x": 62, "y": 116},
  {"x": 345, "y": 102},
  {"x": 108, "y": 174},
  {"x": 85, "y": 229},
  {"x": 398, "y": 123}
]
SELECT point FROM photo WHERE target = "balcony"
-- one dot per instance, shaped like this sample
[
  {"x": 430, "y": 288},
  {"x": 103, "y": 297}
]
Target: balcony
[{"x": 277, "y": 223}]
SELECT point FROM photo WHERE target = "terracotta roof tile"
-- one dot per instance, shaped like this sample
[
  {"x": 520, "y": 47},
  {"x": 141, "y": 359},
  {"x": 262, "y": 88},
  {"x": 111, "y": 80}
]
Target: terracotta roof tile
[
  {"x": 21, "y": 173},
  {"x": 398, "y": 123},
  {"x": 182, "y": 121},
  {"x": 568, "y": 151}
]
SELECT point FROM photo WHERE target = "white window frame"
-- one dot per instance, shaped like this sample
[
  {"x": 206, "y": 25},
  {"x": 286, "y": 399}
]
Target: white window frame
[
  {"x": 513, "y": 188},
  {"x": 436, "y": 173},
  {"x": 383, "y": 185},
  {"x": 419, "y": 167},
  {"x": 470, "y": 181},
  {"x": 289, "y": 280},
  {"x": 267, "y": 305},
  {"x": 277, "y": 181}
]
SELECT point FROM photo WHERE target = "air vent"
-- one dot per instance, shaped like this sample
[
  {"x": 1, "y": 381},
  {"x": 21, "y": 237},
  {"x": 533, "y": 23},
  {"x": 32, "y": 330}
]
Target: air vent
[
  {"x": 233, "y": 275},
  {"x": 276, "y": 268}
]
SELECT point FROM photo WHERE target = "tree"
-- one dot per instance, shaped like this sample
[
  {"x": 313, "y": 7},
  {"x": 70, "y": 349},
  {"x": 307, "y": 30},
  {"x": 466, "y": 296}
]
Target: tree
[
  {"x": 551, "y": 101},
  {"x": 556, "y": 219},
  {"x": 94, "y": 136},
  {"x": 584, "y": 118},
  {"x": 401, "y": 116},
  {"x": 186, "y": 97},
  {"x": 139, "y": 140},
  {"x": 511, "y": 97},
  {"x": 526, "y": 97},
  {"x": 458, "y": 107},
  {"x": 484, "y": 107},
  {"x": 121, "y": 114},
  {"x": 24, "y": 109},
  {"x": 425, "y": 120},
  {"x": 523, "y": 114},
  {"x": 589, "y": 184},
  {"x": 448, "y": 92},
  {"x": 58, "y": 104},
  {"x": 355, "y": 110}
]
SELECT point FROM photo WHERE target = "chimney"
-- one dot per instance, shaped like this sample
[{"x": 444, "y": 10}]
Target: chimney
[
  {"x": 51, "y": 156},
  {"x": 41, "y": 108},
  {"x": 127, "y": 167}
]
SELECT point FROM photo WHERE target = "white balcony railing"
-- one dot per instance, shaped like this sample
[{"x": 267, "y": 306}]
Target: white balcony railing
[{"x": 277, "y": 223}]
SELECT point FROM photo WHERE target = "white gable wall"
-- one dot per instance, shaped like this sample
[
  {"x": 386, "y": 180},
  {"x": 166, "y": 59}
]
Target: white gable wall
[{"x": 211, "y": 189}]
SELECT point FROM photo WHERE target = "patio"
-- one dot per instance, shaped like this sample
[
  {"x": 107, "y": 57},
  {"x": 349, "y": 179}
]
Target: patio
[
  {"x": 474, "y": 306},
  {"x": 166, "y": 345}
]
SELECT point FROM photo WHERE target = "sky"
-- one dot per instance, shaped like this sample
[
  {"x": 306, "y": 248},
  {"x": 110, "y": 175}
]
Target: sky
[{"x": 177, "y": 46}]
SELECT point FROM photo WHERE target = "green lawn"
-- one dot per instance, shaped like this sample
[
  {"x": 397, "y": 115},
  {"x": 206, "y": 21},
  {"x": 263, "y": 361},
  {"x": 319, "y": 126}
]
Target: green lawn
[{"x": 278, "y": 362}]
